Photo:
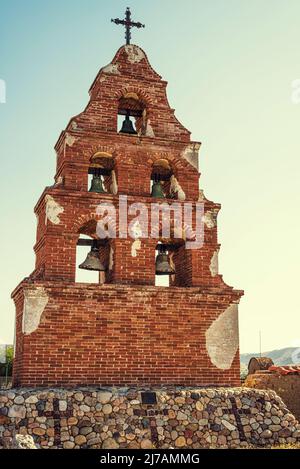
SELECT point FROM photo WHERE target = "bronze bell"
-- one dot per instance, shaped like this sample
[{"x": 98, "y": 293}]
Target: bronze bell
[
  {"x": 157, "y": 191},
  {"x": 127, "y": 127},
  {"x": 97, "y": 184},
  {"x": 162, "y": 264},
  {"x": 92, "y": 261}
]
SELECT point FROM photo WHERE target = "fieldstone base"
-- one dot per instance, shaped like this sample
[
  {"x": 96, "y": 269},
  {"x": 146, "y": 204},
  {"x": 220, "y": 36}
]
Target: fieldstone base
[
  {"x": 146, "y": 418},
  {"x": 286, "y": 386}
]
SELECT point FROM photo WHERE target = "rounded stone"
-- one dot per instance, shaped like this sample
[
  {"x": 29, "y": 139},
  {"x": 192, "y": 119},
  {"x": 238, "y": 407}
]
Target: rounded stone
[
  {"x": 72, "y": 421},
  {"x": 199, "y": 406},
  {"x": 84, "y": 408},
  {"x": 31, "y": 400},
  {"x": 276, "y": 420},
  {"x": 93, "y": 441},
  {"x": 222, "y": 441},
  {"x": 85, "y": 430},
  {"x": 69, "y": 445},
  {"x": 104, "y": 397},
  {"x": 181, "y": 416},
  {"x": 19, "y": 400},
  {"x": 39, "y": 431},
  {"x": 266, "y": 434},
  {"x": 62, "y": 406},
  {"x": 110, "y": 443},
  {"x": 180, "y": 400},
  {"x": 107, "y": 409},
  {"x": 17, "y": 411},
  {"x": 275, "y": 428},
  {"x": 180, "y": 442},
  {"x": 285, "y": 433},
  {"x": 146, "y": 444},
  {"x": 80, "y": 440},
  {"x": 78, "y": 396}
]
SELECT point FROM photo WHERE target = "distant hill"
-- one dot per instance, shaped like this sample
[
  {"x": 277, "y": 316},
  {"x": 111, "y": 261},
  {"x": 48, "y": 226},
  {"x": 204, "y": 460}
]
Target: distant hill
[{"x": 279, "y": 357}]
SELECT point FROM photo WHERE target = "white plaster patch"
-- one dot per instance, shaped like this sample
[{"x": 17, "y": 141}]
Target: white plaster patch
[
  {"x": 53, "y": 210},
  {"x": 74, "y": 125},
  {"x": 112, "y": 69},
  {"x": 135, "y": 54},
  {"x": 177, "y": 189},
  {"x": 136, "y": 230},
  {"x": 59, "y": 181},
  {"x": 172, "y": 265},
  {"x": 191, "y": 154},
  {"x": 114, "y": 184},
  {"x": 201, "y": 197},
  {"x": 70, "y": 140},
  {"x": 136, "y": 246},
  {"x": 111, "y": 258},
  {"x": 214, "y": 264},
  {"x": 222, "y": 338},
  {"x": 35, "y": 302},
  {"x": 149, "y": 130},
  {"x": 210, "y": 218}
]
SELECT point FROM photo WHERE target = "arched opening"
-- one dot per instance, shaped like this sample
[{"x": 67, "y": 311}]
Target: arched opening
[
  {"x": 102, "y": 175},
  {"x": 131, "y": 115},
  {"x": 92, "y": 256},
  {"x": 83, "y": 249}
]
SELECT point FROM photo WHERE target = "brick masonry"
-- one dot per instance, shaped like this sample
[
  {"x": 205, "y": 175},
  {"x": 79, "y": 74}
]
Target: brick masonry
[{"x": 124, "y": 330}]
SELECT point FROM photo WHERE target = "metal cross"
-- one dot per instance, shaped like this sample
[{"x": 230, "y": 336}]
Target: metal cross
[{"x": 128, "y": 24}]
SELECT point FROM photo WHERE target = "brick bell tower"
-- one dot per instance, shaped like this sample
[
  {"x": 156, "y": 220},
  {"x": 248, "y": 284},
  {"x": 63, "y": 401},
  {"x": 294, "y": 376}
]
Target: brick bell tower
[{"x": 125, "y": 330}]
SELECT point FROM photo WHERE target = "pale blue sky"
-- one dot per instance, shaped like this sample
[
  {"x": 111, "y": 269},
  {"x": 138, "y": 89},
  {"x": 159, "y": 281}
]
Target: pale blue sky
[{"x": 230, "y": 65}]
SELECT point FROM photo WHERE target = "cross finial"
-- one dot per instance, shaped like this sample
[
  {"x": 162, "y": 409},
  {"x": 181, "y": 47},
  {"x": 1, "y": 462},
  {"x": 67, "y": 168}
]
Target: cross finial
[{"x": 128, "y": 24}]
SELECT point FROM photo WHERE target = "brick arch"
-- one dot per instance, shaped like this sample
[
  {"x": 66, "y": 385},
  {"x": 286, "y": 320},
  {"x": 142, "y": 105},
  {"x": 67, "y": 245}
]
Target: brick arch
[
  {"x": 177, "y": 162},
  {"x": 145, "y": 97},
  {"x": 84, "y": 220},
  {"x": 96, "y": 148}
]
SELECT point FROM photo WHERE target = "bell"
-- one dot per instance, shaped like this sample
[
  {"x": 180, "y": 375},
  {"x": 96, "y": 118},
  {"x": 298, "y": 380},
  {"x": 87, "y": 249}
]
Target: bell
[
  {"x": 97, "y": 185},
  {"x": 92, "y": 261},
  {"x": 162, "y": 265},
  {"x": 157, "y": 190},
  {"x": 127, "y": 127}
]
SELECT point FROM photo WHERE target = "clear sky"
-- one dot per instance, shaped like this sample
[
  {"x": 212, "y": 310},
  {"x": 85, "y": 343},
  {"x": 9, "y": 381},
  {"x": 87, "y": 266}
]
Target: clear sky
[{"x": 230, "y": 65}]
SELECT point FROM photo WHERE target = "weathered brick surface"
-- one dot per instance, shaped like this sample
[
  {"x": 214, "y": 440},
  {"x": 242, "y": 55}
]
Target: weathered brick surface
[
  {"x": 121, "y": 335},
  {"x": 126, "y": 331},
  {"x": 286, "y": 386}
]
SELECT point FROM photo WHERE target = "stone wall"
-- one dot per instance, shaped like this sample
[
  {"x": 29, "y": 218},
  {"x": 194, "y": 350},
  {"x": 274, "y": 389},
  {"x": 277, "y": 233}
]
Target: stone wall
[
  {"x": 138, "y": 418},
  {"x": 286, "y": 386}
]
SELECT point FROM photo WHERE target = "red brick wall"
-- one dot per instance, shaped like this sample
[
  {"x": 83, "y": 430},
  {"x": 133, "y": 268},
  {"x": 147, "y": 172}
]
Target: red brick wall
[{"x": 119, "y": 335}]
